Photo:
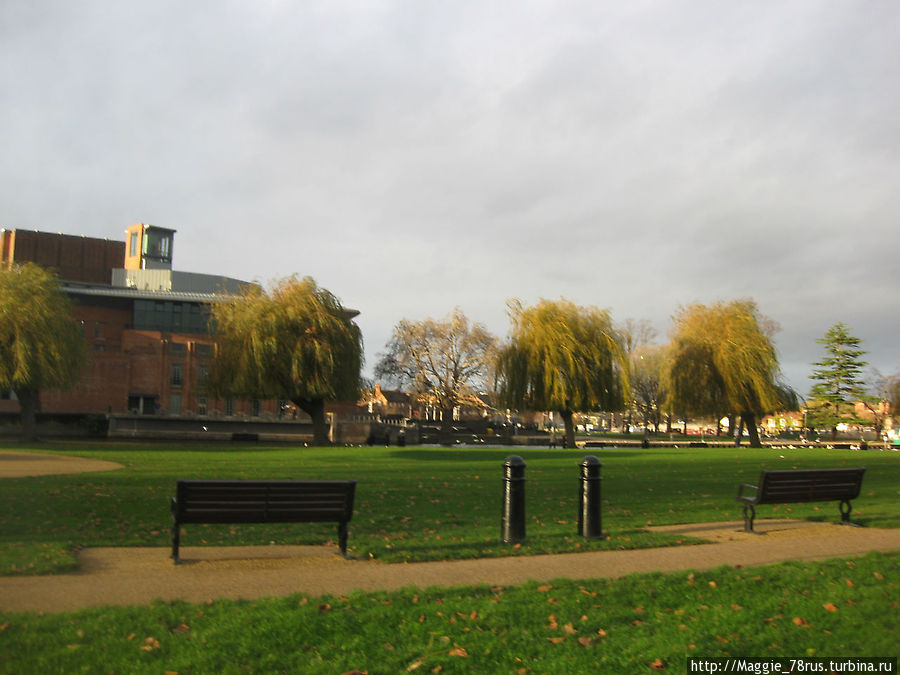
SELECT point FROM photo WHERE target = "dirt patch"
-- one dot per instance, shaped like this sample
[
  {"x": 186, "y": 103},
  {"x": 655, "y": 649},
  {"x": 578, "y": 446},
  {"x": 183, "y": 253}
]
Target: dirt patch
[{"x": 22, "y": 464}]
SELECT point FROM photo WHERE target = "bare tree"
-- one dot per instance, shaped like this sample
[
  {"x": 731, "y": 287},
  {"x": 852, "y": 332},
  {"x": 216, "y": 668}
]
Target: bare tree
[{"x": 448, "y": 360}]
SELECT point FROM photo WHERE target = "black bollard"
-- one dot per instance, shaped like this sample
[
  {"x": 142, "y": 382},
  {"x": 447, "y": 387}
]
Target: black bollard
[
  {"x": 589, "y": 520},
  {"x": 512, "y": 525}
]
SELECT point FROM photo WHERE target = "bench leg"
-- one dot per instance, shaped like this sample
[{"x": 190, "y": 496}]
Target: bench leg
[
  {"x": 176, "y": 542},
  {"x": 749, "y": 515},
  {"x": 845, "y": 512},
  {"x": 342, "y": 538}
]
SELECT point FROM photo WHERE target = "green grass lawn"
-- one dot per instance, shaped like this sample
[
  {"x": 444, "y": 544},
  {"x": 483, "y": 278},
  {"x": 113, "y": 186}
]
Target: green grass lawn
[
  {"x": 637, "y": 624},
  {"x": 412, "y": 504},
  {"x": 432, "y": 503}
]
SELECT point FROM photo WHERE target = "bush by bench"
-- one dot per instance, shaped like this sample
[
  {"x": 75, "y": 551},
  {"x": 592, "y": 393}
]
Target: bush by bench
[
  {"x": 802, "y": 485},
  {"x": 254, "y": 501}
]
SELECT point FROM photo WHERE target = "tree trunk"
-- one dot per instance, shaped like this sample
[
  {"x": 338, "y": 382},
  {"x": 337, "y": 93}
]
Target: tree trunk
[
  {"x": 315, "y": 408},
  {"x": 29, "y": 404},
  {"x": 837, "y": 412},
  {"x": 751, "y": 429},
  {"x": 446, "y": 433},
  {"x": 569, "y": 420},
  {"x": 739, "y": 434}
]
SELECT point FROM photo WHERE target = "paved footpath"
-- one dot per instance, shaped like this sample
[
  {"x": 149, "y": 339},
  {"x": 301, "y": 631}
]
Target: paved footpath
[{"x": 135, "y": 576}]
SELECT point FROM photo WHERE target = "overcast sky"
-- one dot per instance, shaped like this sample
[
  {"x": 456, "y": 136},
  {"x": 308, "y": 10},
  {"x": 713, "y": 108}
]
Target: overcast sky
[{"x": 417, "y": 156}]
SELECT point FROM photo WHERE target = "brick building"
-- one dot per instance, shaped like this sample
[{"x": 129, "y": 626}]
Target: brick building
[{"x": 146, "y": 325}]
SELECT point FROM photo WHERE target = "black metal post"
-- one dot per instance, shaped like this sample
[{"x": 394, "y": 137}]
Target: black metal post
[
  {"x": 589, "y": 521},
  {"x": 512, "y": 525}
]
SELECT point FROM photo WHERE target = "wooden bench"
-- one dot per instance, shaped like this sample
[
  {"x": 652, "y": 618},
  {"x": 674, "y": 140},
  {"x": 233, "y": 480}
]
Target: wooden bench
[
  {"x": 802, "y": 485},
  {"x": 262, "y": 501}
]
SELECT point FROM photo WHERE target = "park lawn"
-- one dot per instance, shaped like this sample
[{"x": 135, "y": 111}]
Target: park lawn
[
  {"x": 635, "y": 624},
  {"x": 412, "y": 504}
]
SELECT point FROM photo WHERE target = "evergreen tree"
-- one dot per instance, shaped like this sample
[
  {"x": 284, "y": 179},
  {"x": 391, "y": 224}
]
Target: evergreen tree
[{"x": 839, "y": 384}]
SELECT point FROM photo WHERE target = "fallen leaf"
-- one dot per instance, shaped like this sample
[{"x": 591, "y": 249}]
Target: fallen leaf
[
  {"x": 4, "y": 625},
  {"x": 601, "y": 632},
  {"x": 585, "y": 641},
  {"x": 544, "y": 589},
  {"x": 77, "y": 646},
  {"x": 414, "y": 665},
  {"x": 878, "y": 575},
  {"x": 324, "y": 608},
  {"x": 829, "y": 607},
  {"x": 150, "y": 644},
  {"x": 557, "y": 640},
  {"x": 552, "y": 625},
  {"x": 799, "y": 621},
  {"x": 849, "y": 583},
  {"x": 712, "y": 584},
  {"x": 736, "y": 607},
  {"x": 459, "y": 651},
  {"x": 181, "y": 628},
  {"x": 658, "y": 665},
  {"x": 570, "y": 629}
]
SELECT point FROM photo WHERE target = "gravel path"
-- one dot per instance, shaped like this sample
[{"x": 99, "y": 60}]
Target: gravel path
[{"x": 136, "y": 576}]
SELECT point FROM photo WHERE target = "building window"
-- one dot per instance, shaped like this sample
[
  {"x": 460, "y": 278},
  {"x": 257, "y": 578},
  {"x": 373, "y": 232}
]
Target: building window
[
  {"x": 202, "y": 375},
  {"x": 255, "y": 407},
  {"x": 133, "y": 245},
  {"x": 202, "y": 405},
  {"x": 177, "y": 348},
  {"x": 96, "y": 330},
  {"x": 175, "y": 404},
  {"x": 177, "y": 375},
  {"x": 229, "y": 407}
]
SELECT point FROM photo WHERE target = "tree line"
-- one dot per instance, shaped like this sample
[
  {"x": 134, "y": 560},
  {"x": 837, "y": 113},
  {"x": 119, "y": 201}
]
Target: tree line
[{"x": 296, "y": 341}]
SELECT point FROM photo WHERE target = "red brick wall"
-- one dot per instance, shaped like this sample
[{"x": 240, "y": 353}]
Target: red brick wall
[{"x": 72, "y": 258}]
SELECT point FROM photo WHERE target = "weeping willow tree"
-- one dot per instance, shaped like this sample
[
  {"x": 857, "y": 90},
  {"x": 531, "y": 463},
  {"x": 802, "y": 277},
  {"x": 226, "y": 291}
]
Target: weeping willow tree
[
  {"x": 41, "y": 345},
  {"x": 295, "y": 342},
  {"x": 723, "y": 362},
  {"x": 565, "y": 358}
]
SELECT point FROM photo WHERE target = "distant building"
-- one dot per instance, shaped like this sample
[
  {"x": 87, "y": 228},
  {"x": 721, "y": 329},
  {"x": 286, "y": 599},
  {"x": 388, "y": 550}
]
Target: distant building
[
  {"x": 390, "y": 403},
  {"x": 146, "y": 325}
]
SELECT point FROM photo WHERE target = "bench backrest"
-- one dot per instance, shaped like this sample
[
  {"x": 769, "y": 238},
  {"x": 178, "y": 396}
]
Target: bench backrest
[
  {"x": 248, "y": 501},
  {"x": 809, "y": 485}
]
